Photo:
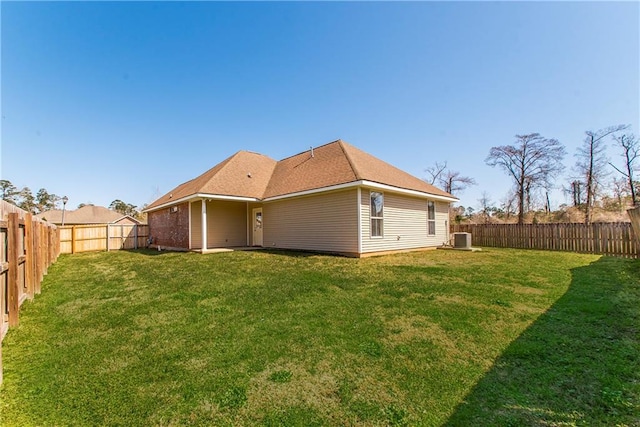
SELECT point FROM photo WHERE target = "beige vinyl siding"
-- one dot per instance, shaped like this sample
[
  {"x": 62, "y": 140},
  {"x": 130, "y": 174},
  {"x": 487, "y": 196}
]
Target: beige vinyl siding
[
  {"x": 324, "y": 222},
  {"x": 404, "y": 224},
  {"x": 226, "y": 224},
  {"x": 196, "y": 225},
  {"x": 442, "y": 223}
]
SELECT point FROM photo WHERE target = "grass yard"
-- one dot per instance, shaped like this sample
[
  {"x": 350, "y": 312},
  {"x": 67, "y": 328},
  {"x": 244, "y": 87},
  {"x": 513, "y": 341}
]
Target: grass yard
[{"x": 499, "y": 337}]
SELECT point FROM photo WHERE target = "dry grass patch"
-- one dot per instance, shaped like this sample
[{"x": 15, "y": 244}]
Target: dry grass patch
[{"x": 317, "y": 389}]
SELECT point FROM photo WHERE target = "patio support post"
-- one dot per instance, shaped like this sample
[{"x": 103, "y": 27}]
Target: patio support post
[{"x": 204, "y": 225}]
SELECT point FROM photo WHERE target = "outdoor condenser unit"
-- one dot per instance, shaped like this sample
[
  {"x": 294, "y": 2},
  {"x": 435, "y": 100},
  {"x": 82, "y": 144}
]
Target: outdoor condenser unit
[{"x": 462, "y": 240}]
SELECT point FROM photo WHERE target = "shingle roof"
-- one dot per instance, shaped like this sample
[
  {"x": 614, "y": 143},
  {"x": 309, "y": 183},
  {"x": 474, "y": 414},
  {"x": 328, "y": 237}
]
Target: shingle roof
[
  {"x": 339, "y": 163},
  {"x": 332, "y": 164},
  {"x": 245, "y": 174},
  {"x": 328, "y": 166},
  {"x": 88, "y": 214}
]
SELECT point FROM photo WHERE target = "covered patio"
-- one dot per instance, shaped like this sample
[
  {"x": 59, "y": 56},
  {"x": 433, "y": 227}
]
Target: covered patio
[{"x": 218, "y": 224}]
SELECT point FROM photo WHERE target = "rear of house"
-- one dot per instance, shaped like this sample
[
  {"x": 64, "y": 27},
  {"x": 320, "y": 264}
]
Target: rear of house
[{"x": 334, "y": 198}]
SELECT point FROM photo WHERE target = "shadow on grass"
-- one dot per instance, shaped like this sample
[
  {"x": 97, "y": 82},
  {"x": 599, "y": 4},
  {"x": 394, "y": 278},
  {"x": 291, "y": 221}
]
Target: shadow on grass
[
  {"x": 150, "y": 252},
  {"x": 579, "y": 363},
  {"x": 297, "y": 253},
  {"x": 279, "y": 252}
]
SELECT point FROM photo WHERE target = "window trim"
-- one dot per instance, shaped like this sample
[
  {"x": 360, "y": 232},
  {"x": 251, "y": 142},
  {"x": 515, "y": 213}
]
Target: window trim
[
  {"x": 431, "y": 222},
  {"x": 379, "y": 219}
]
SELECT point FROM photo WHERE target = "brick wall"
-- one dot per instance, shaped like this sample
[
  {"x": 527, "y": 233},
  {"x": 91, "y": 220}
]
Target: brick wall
[{"x": 169, "y": 227}]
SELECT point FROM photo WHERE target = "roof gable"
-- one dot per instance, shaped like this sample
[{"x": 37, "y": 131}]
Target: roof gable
[{"x": 370, "y": 168}]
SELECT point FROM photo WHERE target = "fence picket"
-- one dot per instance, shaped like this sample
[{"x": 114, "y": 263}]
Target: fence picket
[
  {"x": 101, "y": 237},
  {"x": 30, "y": 247},
  {"x": 597, "y": 238}
]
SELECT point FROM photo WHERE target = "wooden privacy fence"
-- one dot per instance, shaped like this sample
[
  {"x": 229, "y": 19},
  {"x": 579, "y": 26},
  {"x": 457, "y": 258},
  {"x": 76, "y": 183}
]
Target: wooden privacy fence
[
  {"x": 102, "y": 237},
  {"x": 29, "y": 246},
  {"x": 614, "y": 238},
  {"x": 634, "y": 216}
]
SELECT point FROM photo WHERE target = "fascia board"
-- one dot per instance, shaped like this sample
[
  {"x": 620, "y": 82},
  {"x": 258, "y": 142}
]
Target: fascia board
[{"x": 201, "y": 196}]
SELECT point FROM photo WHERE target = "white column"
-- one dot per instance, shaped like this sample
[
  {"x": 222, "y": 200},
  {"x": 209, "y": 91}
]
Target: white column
[
  {"x": 204, "y": 225},
  {"x": 190, "y": 225},
  {"x": 359, "y": 210}
]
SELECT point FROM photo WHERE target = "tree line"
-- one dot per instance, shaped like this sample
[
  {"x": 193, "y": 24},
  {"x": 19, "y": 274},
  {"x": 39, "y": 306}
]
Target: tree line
[
  {"x": 534, "y": 163},
  {"x": 44, "y": 201}
]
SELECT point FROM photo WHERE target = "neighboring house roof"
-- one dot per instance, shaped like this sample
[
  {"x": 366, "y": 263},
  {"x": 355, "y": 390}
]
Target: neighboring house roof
[
  {"x": 253, "y": 176},
  {"x": 88, "y": 214}
]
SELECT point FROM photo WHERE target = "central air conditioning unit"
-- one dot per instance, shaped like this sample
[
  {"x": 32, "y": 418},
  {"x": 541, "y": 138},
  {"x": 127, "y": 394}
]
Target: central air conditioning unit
[{"x": 462, "y": 240}]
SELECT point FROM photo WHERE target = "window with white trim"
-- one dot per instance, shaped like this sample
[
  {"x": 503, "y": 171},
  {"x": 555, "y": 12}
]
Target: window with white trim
[
  {"x": 431, "y": 218},
  {"x": 377, "y": 212}
]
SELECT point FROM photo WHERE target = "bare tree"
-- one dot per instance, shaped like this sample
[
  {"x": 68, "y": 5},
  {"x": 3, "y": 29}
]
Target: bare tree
[
  {"x": 435, "y": 172},
  {"x": 486, "y": 206},
  {"x": 591, "y": 164},
  {"x": 453, "y": 182},
  {"x": 630, "y": 151},
  {"x": 532, "y": 163},
  {"x": 508, "y": 203},
  {"x": 619, "y": 188},
  {"x": 577, "y": 192}
]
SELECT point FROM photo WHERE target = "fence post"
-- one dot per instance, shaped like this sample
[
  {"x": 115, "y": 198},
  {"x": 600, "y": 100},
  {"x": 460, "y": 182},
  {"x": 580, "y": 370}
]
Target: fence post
[
  {"x": 13, "y": 236},
  {"x": 28, "y": 243},
  {"x": 73, "y": 239},
  {"x": 135, "y": 236},
  {"x": 634, "y": 216},
  {"x": 36, "y": 257},
  {"x": 108, "y": 236},
  {"x": 50, "y": 245},
  {"x": 57, "y": 242}
]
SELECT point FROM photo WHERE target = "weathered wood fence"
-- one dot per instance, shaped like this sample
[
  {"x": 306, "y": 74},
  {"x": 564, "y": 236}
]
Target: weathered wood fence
[
  {"x": 615, "y": 238},
  {"x": 28, "y": 247},
  {"x": 634, "y": 216},
  {"x": 102, "y": 237}
]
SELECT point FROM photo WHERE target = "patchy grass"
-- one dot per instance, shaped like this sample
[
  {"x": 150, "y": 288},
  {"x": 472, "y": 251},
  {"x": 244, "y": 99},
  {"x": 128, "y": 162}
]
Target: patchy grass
[{"x": 499, "y": 337}]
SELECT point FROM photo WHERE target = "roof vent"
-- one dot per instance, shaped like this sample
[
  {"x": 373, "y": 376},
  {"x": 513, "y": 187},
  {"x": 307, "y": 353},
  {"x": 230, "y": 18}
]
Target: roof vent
[
  {"x": 249, "y": 175},
  {"x": 311, "y": 151}
]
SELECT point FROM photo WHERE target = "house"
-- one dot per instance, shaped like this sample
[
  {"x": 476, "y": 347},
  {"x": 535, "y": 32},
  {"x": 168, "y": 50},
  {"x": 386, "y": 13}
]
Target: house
[
  {"x": 88, "y": 214},
  {"x": 334, "y": 198}
]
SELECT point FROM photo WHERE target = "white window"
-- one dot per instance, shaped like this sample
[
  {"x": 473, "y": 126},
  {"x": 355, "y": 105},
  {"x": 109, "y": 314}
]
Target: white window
[
  {"x": 377, "y": 208},
  {"x": 431, "y": 218}
]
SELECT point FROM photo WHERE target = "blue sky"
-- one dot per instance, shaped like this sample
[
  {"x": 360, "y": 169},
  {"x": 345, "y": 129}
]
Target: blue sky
[{"x": 121, "y": 100}]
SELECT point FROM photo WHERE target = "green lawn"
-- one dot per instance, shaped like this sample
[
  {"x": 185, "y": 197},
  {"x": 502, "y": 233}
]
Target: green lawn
[{"x": 498, "y": 337}]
